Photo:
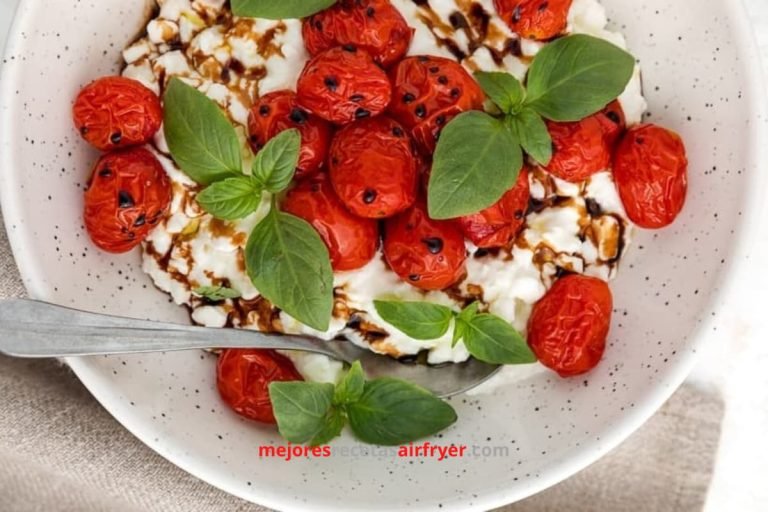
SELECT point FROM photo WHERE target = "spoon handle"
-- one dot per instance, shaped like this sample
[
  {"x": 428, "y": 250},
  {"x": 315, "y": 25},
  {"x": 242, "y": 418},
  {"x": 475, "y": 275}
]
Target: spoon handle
[{"x": 34, "y": 329}]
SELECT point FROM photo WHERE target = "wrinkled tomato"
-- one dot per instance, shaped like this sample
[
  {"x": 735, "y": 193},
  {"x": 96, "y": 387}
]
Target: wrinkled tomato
[
  {"x": 373, "y": 25},
  {"x": 499, "y": 224},
  {"x": 352, "y": 241},
  {"x": 128, "y": 195},
  {"x": 429, "y": 254},
  {"x": 373, "y": 168},
  {"x": 580, "y": 149},
  {"x": 115, "y": 112},
  {"x": 651, "y": 171},
  {"x": 278, "y": 111},
  {"x": 535, "y": 19},
  {"x": 430, "y": 91},
  {"x": 243, "y": 378},
  {"x": 568, "y": 328},
  {"x": 344, "y": 84},
  {"x": 613, "y": 123}
]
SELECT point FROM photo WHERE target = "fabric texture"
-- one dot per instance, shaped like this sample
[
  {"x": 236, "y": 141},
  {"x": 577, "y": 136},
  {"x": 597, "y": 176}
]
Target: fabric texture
[{"x": 61, "y": 451}]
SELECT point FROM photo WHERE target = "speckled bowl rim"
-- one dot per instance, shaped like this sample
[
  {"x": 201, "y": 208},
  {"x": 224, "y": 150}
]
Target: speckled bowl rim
[{"x": 743, "y": 37}]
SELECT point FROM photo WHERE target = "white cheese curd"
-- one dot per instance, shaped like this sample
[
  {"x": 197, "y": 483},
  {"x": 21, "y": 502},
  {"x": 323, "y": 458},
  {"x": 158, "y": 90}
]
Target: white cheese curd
[{"x": 571, "y": 227}]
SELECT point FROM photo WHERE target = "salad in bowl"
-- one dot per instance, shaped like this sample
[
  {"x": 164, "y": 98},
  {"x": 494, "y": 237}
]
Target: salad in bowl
[{"x": 432, "y": 181}]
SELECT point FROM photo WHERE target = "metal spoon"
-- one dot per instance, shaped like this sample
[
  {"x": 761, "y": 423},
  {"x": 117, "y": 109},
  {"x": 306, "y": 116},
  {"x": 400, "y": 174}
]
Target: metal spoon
[{"x": 33, "y": 329}]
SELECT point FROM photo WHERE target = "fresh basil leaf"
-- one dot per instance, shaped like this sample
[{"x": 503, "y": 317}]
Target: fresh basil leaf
[
  {"x": 459, "y": 329},
  {"x": 289, "y": 264},
  {"x": 216, "y": 293},
  {"x": 301, "y": 409},
  {"x": 531, "y": 131},
  {"x": 279, "y": 9},
  {"x": 275, "y": 164},
  {"x": 503, "y": 89},
  {"x": 469, "y": 312},
  {"x": 333, "y": 425},
  {"x": 419, "y": 320},
  {"x": 474, "y": 152},
  {"x": 394, "y": 412},
  {"x": 231, "y": 199},
  {"x": 576, "y": 76},
  {"x": 201, "y": 139},
  {"x": 493, "y": 340},
  {"x": 350, "y": 389}
]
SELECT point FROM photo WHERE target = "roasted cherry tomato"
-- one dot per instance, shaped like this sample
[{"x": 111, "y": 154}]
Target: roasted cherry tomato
[
  {"x": 580, "y": 149},
  {"x": 651, "y": 171},
  {"x": 115, "y": 112},
  {"x": 613, "y": 123},
  {"x": 352, "y": 241},
  {"x": 498, "y": 225},
  {"x": 243, "y": 378},
  {"x": 278, "y": 111},
  {"x": 373, "y": 25},
  {"x": 430, "y": 91},
  {"x": 129, "y": 193},
  {"x": 429, "y": 254},
  {"x": 535, "y": 19},
  {"x": 344, "y": 84},
  {"x": 373, "y": 168},
  {"x": 568, "y": 328}
]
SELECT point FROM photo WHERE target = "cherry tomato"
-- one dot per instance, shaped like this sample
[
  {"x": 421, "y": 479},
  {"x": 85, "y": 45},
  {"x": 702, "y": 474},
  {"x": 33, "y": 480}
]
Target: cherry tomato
[
  {"x": 499, "y": 224},
  {"x": 651, "y": 171},
  {"x": 352, "y": 241},
  {"x": 373, "y": 25},
  {"x": 430, "y": 91},
  {"x": 373, "y": 168},
  {"x": 568, "y": 328},
  {"x": 278, "y": 111},
  {"x": 613, "y": 123},
  {"x": 429, "y": 254},
  {"x": 344, "y": 84},
  {"x": 129, "y": 193},
  {"x": 243, "y": 378},
  {"x": 535, "y": 19},
  {"x": 580, "y": 149},
  {"x": 115, "y": 112}
]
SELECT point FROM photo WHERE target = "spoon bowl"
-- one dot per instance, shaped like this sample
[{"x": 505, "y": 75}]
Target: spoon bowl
[{"x": 33, "y": 329}]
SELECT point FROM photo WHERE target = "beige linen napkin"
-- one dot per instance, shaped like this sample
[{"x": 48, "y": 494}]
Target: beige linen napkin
[{"x": 60, "y": 451}]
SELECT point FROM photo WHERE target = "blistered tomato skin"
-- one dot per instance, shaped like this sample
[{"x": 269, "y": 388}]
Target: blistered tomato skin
[
  {"x": 541, "y": 20},
  {"x": 426, "y": 253},
  {"x": 568, "y": 328},
  {"x": 116, "y": 112},
  {"x": 351, "y": 240},
  {"x": 613, "y": 123},
  {"x": 498, "y": 225},
  {"x": 428, "y": 92},
  {"x": 373, "y": 168},
  {"x": 651, "y": 172},
  {"x": 373, "y": 25},
  {"x": 243, "y": 378},
  {"x": 128, "y": 195},
  {"x": 344, "y": 84},
  {"x": 580, "y": 149},
  {"x": 278, "y": 111}
]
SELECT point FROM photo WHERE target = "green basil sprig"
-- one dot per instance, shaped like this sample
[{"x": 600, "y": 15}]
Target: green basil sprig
[
  {"x": 382, "y": 411},
  {"x": 279, "y": 9},
  {"x": 216, "y": 293},
  {"x": 487, "y": 337},
  {"x": 569, "y": 79},
  {"x": 202, "y": 140},
  {"x": 285, "y": 257}
]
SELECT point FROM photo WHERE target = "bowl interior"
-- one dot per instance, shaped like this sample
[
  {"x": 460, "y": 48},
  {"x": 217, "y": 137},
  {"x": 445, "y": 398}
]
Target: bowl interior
[{"x": 530, "y": 433}]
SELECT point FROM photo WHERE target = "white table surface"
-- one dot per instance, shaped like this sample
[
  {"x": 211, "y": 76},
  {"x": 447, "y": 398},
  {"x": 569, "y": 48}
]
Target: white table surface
[{"x": 737, "y": 367}]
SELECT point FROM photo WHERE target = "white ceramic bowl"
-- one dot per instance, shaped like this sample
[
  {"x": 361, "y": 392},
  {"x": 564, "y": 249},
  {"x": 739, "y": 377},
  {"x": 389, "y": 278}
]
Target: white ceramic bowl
[{"x": 702, "y": 79}]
